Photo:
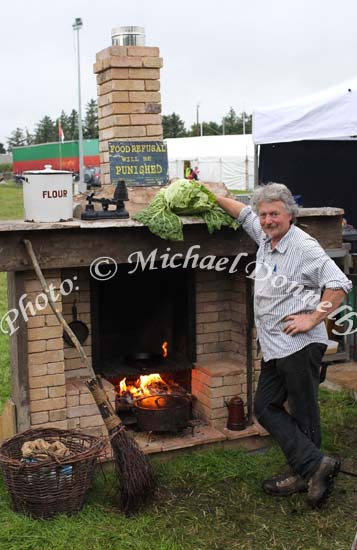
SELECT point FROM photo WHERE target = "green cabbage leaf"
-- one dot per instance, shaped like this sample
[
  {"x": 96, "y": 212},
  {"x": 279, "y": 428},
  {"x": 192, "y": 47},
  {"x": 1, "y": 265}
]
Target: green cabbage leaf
[{"x": 183, "y": 198}]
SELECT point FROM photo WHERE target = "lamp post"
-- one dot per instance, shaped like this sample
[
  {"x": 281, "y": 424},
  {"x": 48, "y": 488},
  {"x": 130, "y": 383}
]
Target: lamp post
[
  {"x": 198, "y": 117},
  {"x": 77, "y": 25}
]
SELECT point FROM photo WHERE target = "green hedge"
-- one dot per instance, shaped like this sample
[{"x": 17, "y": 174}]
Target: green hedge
[{"x": 6, "y": 167}]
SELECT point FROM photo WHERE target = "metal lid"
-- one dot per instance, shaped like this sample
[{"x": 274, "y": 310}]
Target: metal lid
[
  {"x": 47, "y": 170},
  {"x": 128, "y": 36},
  {"x": 159, "y": 402}
]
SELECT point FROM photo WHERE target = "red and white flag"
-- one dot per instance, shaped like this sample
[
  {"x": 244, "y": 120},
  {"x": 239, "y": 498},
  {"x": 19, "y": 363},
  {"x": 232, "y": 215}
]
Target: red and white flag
[{"x": 60, "y": 132}]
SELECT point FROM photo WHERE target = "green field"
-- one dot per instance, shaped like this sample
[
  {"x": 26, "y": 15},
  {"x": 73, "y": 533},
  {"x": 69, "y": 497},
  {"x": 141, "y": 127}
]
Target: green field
[
  {"x": 11, "y": 201},
  {"x": 205, "y": 501},
  {"x": 11, "y": 207}
]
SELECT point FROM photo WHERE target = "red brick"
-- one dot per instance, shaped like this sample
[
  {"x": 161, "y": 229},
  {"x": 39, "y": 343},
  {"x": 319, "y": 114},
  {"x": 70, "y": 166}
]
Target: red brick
[
  {"x": 88, "y": 421},
  {"x": 144, "y": 74},
  {"x": 143, "y": 51},
  {"x": 45, "y": 357},
  {"x": 152, "y": 85},
  {"x": 114, "y": 120},
  {"x": 82, "y": 410},
  {"x": 37, "y": 371},
  {"x": 61, "y": 425},
  {"x": 122, "y": 131},
  {"x": 48, "y": 404},
  {"x": 57, "y": 415},
  {"x": 39, "y": 418},
  {"x": 144, "y": 97},
  {"x": 72, "y": 401},
  {"x": 57, "y": 391},
  {"x": 112, "y": 50},
  {"x": 143, "y": 119},
  {"x": 211, "y": 381},
  {"x": 36, "y": 321},
  {"x": 54, "y": 344},
  {"x": 46, "y": 381},
  {"x": 45, "y": 333},
  {"x": 40, "y": 393},
  {"x": 153, "y": 62},
  {"x": 55, "y": 368},
  {"x": 154, "y": 130},
  {"x": 125, "y": 61},
  {"x": 36, "y": 346}
]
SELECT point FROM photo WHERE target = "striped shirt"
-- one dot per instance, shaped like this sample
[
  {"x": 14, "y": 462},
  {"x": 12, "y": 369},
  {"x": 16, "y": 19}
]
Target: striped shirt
[{"x": 288, "y": 280}]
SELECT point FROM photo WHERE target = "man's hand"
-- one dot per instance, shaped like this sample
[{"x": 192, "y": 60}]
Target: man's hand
[
  {"x": 304, "y": 322},
  {"x": 299, "y": 323}
]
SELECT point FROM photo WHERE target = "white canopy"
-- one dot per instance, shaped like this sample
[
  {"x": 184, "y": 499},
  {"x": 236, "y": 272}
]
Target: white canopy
[
  {"x": 226, "y": 159},
  {"x": 330, "y": 114}
]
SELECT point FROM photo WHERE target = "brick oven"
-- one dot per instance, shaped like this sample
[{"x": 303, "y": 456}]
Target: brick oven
[{"x": 203, "y": 315}]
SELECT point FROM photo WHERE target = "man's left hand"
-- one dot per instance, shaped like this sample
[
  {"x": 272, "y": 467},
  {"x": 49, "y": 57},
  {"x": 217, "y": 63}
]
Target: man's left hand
[{"x": 299, "y": 323}]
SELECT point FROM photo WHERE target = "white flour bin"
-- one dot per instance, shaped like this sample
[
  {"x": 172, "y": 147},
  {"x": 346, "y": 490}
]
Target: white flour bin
[{"x": 48, "y": 195}]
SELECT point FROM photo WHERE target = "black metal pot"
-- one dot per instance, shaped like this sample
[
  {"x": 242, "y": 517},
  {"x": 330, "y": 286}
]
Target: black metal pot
[
  {"x": 79, "y": 328},
  {"x": 163, "y": 413}
]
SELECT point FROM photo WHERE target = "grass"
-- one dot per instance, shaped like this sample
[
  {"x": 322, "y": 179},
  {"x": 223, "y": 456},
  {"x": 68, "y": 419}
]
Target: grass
[
  {"x": 11, "y": 207},
  {"x": 205, "y": 501},
  {"x": 4, "y": 347},
  {"x": 11, "y": 201}
]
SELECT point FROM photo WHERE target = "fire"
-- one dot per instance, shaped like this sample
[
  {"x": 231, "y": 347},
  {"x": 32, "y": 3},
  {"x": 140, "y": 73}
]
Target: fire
[
  {"x": 164, "y": 349},
  {"x": 147, "y": 384}
]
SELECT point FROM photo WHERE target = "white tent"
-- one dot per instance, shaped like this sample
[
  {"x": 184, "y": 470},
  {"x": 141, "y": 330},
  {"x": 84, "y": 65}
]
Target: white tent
[
  {"x": 226, "y": 159},
  {"x": 330, "y": 114}
]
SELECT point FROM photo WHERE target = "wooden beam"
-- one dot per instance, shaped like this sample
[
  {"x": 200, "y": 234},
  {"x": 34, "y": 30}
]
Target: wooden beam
[
  {"x": 79, "y": 247},
  {"x": 19, "y": 355}
]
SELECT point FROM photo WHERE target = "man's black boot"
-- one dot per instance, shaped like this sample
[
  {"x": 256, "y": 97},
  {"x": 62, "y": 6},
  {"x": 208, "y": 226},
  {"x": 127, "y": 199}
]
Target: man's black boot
[
  {"x": 321, "y": 482},
  {"x": 284, "y": 485}
]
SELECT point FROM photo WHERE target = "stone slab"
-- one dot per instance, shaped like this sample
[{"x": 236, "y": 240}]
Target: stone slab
[{"x": 220, "y": 368}]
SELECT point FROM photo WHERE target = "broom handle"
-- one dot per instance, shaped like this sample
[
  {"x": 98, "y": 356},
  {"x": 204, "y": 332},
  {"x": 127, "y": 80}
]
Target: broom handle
[{"x": 66, "y": 327}]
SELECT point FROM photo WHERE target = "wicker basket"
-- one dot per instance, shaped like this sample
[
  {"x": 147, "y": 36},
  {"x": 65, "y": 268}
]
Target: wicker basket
[{"x": 44, "y": 489}]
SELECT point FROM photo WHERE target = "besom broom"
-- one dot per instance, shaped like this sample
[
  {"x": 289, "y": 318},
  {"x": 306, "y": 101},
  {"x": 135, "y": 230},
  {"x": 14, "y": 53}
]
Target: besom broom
[{"x": 136, "y": 478}]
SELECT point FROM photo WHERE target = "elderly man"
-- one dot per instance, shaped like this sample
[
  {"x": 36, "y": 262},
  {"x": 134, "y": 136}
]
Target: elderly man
[{"x": 290, "y": 273}]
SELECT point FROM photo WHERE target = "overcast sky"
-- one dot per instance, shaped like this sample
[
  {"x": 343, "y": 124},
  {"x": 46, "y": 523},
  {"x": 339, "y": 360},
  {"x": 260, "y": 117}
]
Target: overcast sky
[{"x": 221, "y": 53}]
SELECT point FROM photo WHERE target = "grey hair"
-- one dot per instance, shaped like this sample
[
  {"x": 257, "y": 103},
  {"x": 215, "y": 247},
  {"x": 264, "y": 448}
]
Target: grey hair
[{"x": 272, "y": 192}]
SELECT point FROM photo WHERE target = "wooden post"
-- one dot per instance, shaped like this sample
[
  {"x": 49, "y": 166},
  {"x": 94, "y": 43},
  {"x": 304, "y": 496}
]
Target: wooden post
[
  {"x": 256, "y": 165},
  {"x": 19, "y": 354}
]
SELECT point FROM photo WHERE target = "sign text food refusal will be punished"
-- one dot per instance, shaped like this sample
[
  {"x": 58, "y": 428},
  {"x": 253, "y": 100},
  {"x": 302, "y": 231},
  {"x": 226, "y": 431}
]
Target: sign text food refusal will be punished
[{"x": 138, "y": 162}]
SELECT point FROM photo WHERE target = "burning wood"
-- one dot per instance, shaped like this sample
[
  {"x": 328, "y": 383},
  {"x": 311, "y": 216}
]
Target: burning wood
[{"x": 146, "y": 385}]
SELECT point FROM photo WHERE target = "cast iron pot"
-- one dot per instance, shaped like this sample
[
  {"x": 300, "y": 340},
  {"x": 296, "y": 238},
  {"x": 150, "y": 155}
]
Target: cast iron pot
[
  {"x": 79, "y": 328},
  {"x": 163, "y": 413}
]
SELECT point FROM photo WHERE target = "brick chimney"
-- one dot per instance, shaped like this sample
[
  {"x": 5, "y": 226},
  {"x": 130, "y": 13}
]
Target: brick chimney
[{"x": 129, "y": 100}]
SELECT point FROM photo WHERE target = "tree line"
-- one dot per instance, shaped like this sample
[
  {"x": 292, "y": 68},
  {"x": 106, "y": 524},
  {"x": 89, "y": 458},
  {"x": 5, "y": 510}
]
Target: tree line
[
  {"x": 46, "y": 130},
  {"x": 232, "y": 123}
]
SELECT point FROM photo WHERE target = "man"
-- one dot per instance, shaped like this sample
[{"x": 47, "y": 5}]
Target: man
[{"x": 290, "y": 273}]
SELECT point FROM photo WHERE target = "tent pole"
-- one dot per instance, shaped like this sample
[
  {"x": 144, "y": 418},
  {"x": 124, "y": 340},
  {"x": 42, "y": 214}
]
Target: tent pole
[{"x": 256, "y": 165}]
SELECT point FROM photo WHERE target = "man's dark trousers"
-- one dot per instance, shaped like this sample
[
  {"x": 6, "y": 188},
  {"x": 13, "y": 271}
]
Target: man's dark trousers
[{"x": 294, "y": 379}]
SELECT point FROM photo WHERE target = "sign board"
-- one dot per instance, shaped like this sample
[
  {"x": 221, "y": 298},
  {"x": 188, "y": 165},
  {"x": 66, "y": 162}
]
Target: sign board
[{"x": 139, "y": 163}]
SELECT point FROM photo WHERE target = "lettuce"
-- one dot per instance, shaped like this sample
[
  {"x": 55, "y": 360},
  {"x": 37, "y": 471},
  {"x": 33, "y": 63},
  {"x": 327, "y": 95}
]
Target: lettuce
[{"x": 185, "y": 198}]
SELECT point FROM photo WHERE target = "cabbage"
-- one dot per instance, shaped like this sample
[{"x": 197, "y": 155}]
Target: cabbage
[
  {"x": 189, "y": 197},
  {"x": 185, "y": 198}
]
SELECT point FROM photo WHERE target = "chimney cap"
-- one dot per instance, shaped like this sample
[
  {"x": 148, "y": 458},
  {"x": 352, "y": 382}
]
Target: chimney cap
[{"x": 128, "y": 36}]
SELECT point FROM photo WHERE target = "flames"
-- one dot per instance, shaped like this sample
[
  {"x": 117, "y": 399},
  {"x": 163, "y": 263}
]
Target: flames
[
  {"x": 146, "y": 384},
  {"x": 164, "y": 349}
]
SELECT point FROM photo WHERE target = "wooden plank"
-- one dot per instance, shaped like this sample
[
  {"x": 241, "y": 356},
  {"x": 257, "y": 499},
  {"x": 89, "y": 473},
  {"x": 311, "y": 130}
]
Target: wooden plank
[
  {"x": 18, "y": 355},
  {"x": 8, "y": 420},
  {"x": 77, "y": 248}
]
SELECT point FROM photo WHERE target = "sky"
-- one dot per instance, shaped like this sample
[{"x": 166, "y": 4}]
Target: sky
[{"x": 219, "y": 54}]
